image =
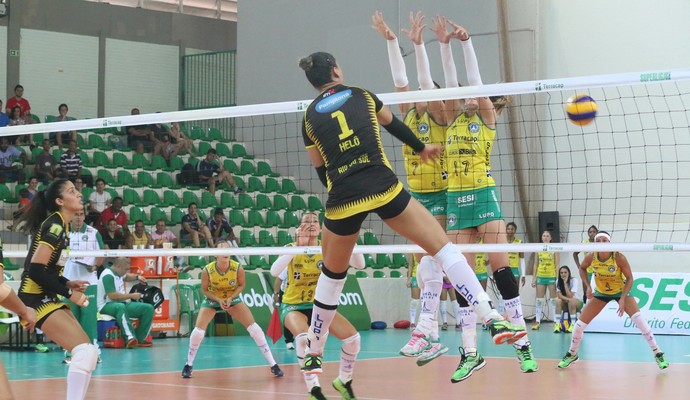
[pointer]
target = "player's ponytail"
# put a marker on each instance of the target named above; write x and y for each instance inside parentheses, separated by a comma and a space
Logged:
(41, 205)
(317, 67)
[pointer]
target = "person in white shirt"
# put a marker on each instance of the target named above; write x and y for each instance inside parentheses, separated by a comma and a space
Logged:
(84, 237)
(566, 290)
(99, 200)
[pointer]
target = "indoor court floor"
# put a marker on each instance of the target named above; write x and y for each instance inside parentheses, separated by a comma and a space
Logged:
(611, 366)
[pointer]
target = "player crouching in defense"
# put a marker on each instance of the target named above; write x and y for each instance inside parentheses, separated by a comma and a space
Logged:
(613, 280)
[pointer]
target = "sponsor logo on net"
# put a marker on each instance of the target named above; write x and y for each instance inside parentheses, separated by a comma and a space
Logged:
(655, 76)
(547, 86)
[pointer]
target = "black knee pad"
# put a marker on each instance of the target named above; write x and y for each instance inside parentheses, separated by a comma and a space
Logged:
(462, 301)
(506, 283)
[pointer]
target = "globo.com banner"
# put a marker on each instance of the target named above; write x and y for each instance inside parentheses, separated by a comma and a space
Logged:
(664, 301)
(258, 296)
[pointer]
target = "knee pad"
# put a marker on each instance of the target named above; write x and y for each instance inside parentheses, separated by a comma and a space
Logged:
(84, 358)
(351, 345)
(301, 344)
(539, 302)
(414, 304)
(506, 284)
(255, 331)
(428, 271)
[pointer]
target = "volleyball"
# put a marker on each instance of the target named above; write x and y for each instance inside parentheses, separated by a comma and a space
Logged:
(581, 109)
(565, 325)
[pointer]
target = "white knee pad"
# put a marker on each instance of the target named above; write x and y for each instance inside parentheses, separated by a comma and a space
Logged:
(540, 302)
(255, 331)
(429, 271)
(301, 344)
(84, 358)
(351, 345)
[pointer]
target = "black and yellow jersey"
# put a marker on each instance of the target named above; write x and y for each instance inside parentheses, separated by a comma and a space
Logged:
(53, 233)
(341, 123)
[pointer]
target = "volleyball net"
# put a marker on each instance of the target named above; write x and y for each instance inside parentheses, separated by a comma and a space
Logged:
(627, 172)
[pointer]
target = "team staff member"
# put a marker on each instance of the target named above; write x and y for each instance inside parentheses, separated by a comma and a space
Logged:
(222, 282)
(613, 280)
(341, 133)
(48, 221)
(303, 272)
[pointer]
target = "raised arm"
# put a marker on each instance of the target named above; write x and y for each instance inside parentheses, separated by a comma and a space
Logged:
(395, 59)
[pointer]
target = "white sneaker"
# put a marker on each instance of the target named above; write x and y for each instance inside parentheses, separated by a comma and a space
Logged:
(290, 346)
(435, 350)
(417, 344)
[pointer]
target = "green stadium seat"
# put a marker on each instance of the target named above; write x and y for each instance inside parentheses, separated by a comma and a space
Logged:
(157, 164)
(247, 238)
(283, 238)
(164, 180)
(289, 187)
(263, 168)
(271, 185)
(36, 152)
(190, 197)
(297, 203)
(208, 200)
(254, 218)
(150, 198)
(383, 261)
(370, 239)
(120, 160)
(290, 220)
(254, 184)
(227, 200)
(139, 161)
(223, 150)
(100, 159)
(369, 261)
(266, 240)
(137, 213)
(144, 179)
(237, 218)
(280, 202)
(10, 266)
(5, 193)
(176, 215)
(193, 161)
(244, 200)
(379, 274)
(230, 166)
(396, 274)
(272, 258)
(246, 168)
(399, 261)
(272, 219)
(97, 141)
(125, 178)
(263, 202)
(259, 261)
(112, 191)
(202, 148)
(130, 196)
(240, 182)
(361, 274)
(176, 164)
(215, 134)
(196, 133)
(196, 261)
(238, 150)
(171, 198)
(107, 177)
(48, 119)
(157, 213)
(314, 204)
(183, 275)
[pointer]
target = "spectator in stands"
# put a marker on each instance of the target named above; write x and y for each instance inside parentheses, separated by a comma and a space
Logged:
(220, 227)
(19, 101)
(139, 237)
(211, 173)
(112, 300)
(46, 168)
(157, 131)
(17, 119)
(160, 235)
(23, 205)
(70, 162)
(99, 200)
(139, 136)
(113, 238)
(178, 137)
(33, 187)
(79, 186)
(165, 148)
(4, 119)
(10, 169)
(115, 212)
(67, 136)
(193, 228)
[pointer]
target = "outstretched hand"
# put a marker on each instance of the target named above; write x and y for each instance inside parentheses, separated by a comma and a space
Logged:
(442, 35)
(458, 31)
(381, 27)
(430, 152)
(416, 28)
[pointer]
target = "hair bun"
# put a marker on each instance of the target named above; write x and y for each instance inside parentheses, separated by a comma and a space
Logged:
(306, 63)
